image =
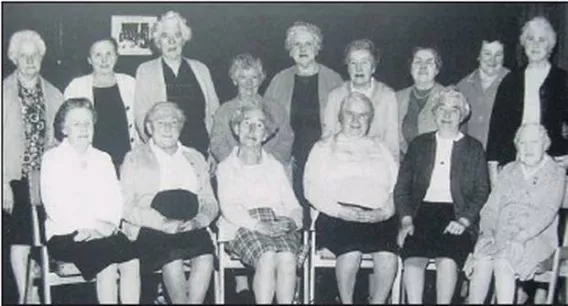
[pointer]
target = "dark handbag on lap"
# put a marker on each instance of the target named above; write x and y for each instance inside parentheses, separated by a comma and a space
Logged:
(177, 204)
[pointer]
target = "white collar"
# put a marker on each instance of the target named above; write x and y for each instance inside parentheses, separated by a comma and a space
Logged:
(160, 152)
(367, 92)
(456, 139)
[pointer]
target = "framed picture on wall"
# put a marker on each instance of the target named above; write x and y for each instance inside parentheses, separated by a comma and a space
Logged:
(132, 33)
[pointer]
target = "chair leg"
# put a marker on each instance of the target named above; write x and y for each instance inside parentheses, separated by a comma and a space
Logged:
(45, 275)
(221, 274)
(306, 273)
(553, 278)
(312, 274)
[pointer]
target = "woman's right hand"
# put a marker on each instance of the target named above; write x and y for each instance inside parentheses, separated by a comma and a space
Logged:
(266, 228)
(407, 228)
(172, 226)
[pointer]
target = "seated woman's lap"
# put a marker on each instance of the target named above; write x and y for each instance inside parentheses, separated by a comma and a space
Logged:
(251, 245)
(340, 236)
(91, 257)
(429, 240)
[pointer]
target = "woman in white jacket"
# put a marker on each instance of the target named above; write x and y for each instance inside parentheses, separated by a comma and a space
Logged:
(113, 97)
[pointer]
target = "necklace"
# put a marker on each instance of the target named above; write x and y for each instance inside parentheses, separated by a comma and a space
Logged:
(423, 96)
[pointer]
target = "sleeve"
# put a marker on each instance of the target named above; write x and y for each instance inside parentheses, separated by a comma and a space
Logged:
(134, 210)
(208, 207)
(212, 100)
(114, 203)
(392, 136)
(499, 122)
(293, 208)
(141, 101)
(280, 146)
(316, 189)
(220, 146)
(489, 213)
(58, 202)
(480, 190)
(404, 185)
(56, 100)
(271, 90)
(549, 200)
(330, 124)
(229, 200)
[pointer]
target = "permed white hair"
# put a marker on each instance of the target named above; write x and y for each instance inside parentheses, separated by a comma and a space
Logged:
(539, 23)
(306, 27)
(182, 23)
(19, 38)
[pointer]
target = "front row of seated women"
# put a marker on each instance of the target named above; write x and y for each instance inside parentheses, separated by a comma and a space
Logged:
(427, 209)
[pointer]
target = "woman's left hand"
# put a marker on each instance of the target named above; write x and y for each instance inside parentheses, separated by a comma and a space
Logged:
(455, 228)
(188, 226)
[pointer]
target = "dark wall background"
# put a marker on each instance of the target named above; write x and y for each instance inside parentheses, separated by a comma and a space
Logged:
(221, 30)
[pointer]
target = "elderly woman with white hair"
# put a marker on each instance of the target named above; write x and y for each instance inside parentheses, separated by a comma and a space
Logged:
(172, 77)
(349, 180)
(442, 185)
(29, 106)
(362, 58)
(261, 216)
(302, 91)
(169, 204)
(247, 74)
(518, 227)
(537, 93)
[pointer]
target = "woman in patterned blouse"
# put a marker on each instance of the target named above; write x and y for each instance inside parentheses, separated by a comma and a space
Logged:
(30, 103)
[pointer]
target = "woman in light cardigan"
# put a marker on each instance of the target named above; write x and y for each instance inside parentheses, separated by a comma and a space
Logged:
(361, 58)
(101, 84)
(415, 102)
(350, 179)
(163, 168)
(519, 222)
(195, 94)
(260, 214)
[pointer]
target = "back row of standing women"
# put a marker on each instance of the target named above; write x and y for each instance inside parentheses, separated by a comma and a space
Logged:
(305, 103)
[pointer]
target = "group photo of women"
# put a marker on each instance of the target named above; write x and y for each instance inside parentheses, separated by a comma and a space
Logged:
(452, 184)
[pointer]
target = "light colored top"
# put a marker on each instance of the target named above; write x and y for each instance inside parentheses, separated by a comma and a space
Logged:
(140, 178)
(78, 190)
(534, 78)
(243, 187)
(425, 117)
(82, 87)
(355, 171)
(481, 100)
(223, 141)
(177, 172)
(524, 204)
(151, 89)
(385, 122)
(13, 126)
(439, 188)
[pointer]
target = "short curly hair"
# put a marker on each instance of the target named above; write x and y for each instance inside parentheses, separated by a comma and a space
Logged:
(298, 26)
(239, 115)
(246, 61)
(437, 57)
(449, 95)
(541, 130)
(19, 38)
(65, 108)
(362, 44)
(535, 23)
(182, 23)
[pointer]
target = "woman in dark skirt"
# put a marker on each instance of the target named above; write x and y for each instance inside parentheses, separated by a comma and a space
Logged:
(441, 187)
(29, 103)
(349, 179)
(169, 206)
(83, 203)
(260, 213)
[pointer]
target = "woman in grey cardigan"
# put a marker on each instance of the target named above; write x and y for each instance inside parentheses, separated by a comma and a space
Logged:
(174, 78)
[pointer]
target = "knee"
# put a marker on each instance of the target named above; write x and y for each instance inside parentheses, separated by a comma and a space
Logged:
(416, 263)
(385, 260)
(266, 261)
(286, 261)
(203, 262)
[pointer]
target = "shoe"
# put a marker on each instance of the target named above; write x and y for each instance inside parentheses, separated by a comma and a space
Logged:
(245, 297)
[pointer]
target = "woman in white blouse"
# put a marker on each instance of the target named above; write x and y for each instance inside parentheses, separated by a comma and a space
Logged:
(349, 179)
(260, 213)
(83, 202)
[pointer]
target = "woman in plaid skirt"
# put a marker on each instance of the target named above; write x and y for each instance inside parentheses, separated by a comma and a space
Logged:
(260, 213)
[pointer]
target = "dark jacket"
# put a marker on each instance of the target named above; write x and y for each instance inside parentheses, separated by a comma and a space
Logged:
(469, 181)
(507, 114)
